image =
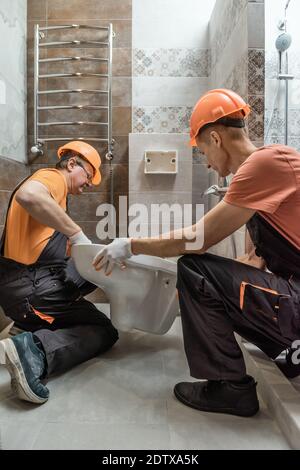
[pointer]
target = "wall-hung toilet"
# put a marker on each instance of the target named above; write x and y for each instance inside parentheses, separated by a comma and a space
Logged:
(142, 297)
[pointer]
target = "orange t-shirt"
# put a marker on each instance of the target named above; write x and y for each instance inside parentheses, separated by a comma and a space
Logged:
(269, 182)
(26, 237)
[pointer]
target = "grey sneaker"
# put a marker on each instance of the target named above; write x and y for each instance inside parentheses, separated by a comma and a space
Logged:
(26, 364)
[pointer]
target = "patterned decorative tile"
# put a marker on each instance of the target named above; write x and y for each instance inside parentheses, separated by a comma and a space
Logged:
(257, 104)
(294, 122)
(161, 119)
(272, 63)
(171, 62)
(256, 71)
(294, 62)
(273, 139)
(256, 118)
(294, 142)
(274, 123)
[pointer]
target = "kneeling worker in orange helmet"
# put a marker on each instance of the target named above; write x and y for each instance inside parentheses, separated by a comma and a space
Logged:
(40, 288)
(220, 296)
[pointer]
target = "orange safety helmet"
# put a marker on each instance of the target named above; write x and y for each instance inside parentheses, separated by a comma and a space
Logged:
(214, 105)
(88, 153)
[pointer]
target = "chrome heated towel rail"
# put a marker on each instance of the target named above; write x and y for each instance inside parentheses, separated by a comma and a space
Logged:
(105, 124)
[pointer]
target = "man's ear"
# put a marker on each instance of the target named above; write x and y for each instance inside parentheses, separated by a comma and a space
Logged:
(215, 139)
(71, 163)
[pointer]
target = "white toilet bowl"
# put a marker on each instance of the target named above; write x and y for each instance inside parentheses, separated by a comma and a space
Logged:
(142, 297)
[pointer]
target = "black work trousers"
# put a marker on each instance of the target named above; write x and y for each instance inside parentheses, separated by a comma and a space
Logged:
(219, 296)
(49, 302)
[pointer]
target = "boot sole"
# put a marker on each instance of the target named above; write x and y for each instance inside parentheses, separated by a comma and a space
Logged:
(230, 411)
(10, 359)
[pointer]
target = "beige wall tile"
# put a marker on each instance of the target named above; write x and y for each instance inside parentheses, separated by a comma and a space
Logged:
(122, 91)
(73, 9)
(11, 173)
(84, 207)
(36, 9)
(121, 120)
(122, 29)
(122, 62)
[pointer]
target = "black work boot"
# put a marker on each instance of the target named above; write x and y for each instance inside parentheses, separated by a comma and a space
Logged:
(222, 396)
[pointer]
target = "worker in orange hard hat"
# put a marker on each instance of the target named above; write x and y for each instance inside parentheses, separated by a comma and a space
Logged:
(222, 106)
(228, 111)
(87, 153)
(40, 288)
(221, 296)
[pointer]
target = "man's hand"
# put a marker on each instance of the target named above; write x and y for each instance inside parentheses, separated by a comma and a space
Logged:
(79, 238)
(116, 252)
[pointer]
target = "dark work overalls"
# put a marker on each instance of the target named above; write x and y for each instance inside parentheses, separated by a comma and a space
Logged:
(220, 296)
(46, 298)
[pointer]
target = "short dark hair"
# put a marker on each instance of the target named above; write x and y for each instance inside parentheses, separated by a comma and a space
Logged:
(234, 122)
(67, 154)
(226, 122)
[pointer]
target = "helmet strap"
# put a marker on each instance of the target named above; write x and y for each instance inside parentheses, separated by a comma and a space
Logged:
(230, 122)
(67, 155)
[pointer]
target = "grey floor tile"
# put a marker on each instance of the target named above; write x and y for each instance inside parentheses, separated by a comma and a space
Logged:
(216, 432)
(18, 436)
(5, 390)
(93, 436)
(124, 400)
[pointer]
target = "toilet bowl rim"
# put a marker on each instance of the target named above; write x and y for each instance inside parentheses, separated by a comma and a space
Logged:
(144, 261)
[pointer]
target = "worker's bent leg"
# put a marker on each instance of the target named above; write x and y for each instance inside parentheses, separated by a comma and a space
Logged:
(67, 335)
(211, 349)
(210, 299)
(78, 331)
(67, 347)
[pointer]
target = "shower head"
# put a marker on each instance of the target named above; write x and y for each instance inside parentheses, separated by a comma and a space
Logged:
(283, 42)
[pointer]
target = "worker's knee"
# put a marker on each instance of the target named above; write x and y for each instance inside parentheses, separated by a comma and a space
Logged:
(107, 338)
(112, 334)
(187, 273)
(196, 273)
(190, 263)
(96, 339)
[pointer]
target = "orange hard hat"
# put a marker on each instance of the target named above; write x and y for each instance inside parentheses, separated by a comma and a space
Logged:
(214, 105)
(88, 153)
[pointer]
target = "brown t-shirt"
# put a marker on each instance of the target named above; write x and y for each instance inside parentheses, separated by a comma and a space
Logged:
(26, 237)
(269, 182)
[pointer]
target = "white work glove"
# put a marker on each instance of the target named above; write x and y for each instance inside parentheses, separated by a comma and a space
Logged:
(79, 238)
(116, 252)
